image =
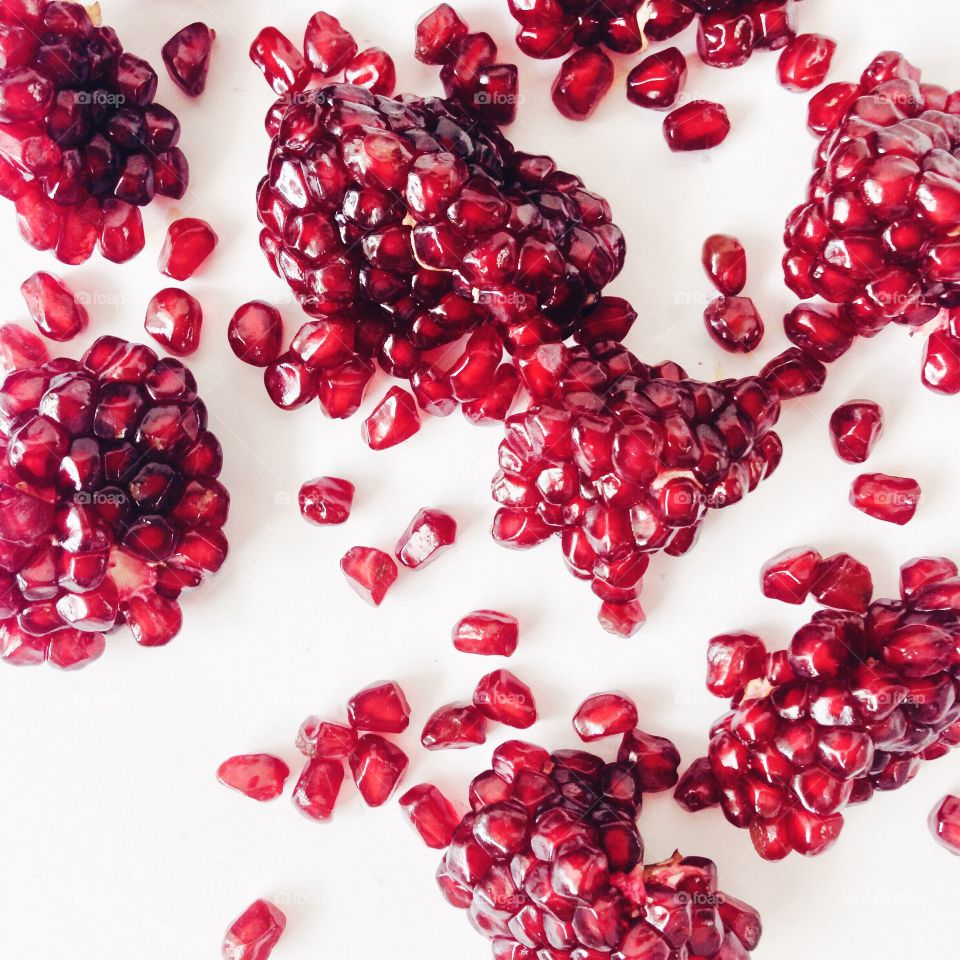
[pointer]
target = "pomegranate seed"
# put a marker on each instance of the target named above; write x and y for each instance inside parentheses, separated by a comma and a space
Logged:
(20, 349)
(790, 576)
(805, 61)
(187, 57)
(315, 794)
(855, 428)
(255, 333)
(329, 741)
(326, 500)
(503, 698)
(583, 81)
(394, 420)
(258, 776)
(843, 583)
(378, 767)
(655, 759)
(431, 814)
(53, 308)
(734, 660)
(487, 633)
(920, 572)
(430, 534)
(438, 33)
(697, 125)
(372, 68)
(657, 80)
(725, 261)
(941, 363)
(622, 619)
(370, 572)
(121, 231)
(328, 46)
(173, 320)
(380, 708)
(818, 331)
(667, 18)
(734, 323)
(697, 789)
(603, 715)
(945, 824)
(282, 65)
(189, 242)
(893, 499)
(254, 934)
(725, 39)
(794, 374)
(454, 726)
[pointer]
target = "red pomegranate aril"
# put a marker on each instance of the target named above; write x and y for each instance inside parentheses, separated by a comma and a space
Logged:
(794, 374)
(828, 106)
(370, 572)
(328, 45)
(189, 242)
(893, 499)
(622, 619)
(174, 319)
(790, 576)
(431, 814)
(818, 331)
(258, 776)
(941, 363)
(52, 307)
(945, 824)
(488, 633)
(603, 715)
(430, 534)
(805, 61)
(438, 33)
(657, 80)
(734, 660)
(187, 57)
(734, 323)
(322, 738)
(855, 428)
(374, 69)
(725, 261)
(281, 63)
(697, 125)
(394, 420)
(503, 698)
(379, 708)
(121, 231)
(378, 767)
(655, 759)
(583, 81)
(255, 333)
(725, 39)
(254, 934)
(315, 794)
(924, 571)
(20, 349)
(667, 18)
(843, 583)
(456, 726)
(326, 500)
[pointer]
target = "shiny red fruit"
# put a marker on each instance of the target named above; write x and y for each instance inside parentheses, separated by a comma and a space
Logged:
(254, 934)
(855, 428)
(259, 776)
(697, 125)
(370, 572)
(189, 242)
(893, 499)
(430, 534)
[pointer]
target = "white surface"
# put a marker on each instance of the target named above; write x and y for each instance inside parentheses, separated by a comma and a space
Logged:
(115, 839)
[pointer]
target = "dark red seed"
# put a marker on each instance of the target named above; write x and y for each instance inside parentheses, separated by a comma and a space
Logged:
(431, 814)
(855, 428)
(315, 794)
(734, 323)
(373, 68)
(725, 39)
(255, 333)
(843, 583)
(430, 533)
(487, 633)
(789, 576)
(725, 261)
(657, 80)
(438, 33)
(503, 698)
(697, 125)
(734, 660)
(187, 57)
(326, 500)
(281, 63)
(893, 499)
(174, 319)
(328, 45)
(52, 307)
(583, 81)
(370, 572)
(805, 61)
(394, 420)
(189, 242)
(456, 726)
(254, 934)
(945, 824)
(380, 708)
(603, 715)
(378, 767)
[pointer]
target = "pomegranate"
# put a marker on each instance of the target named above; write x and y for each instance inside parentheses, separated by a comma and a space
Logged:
(894, 499)
(254, 934)
(186, 56)
(258, 775)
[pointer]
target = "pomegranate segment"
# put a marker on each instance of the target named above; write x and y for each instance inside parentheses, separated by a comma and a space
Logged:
(378, 767)
(431, 814)
(189, 242)
(174, 319)
(789, 577)
(697, 125)
(805, 62)
(603, 715)
(945, 824)
(326, 500)
(258, 776)
(855, 428)
(379, 708)
(254, 934)
(429, 534)
(370, 572)
(893, 499)
(52, 307)
(186, 56)
(488, 633)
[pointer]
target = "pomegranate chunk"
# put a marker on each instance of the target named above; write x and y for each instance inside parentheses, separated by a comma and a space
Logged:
(603, 715)
(258, 776)
(893, 499)
(657, 80)
(315, 794)
(855, 428)
(488, 633)
(395, 419)
(430, 533)
(697, 125)
(187, 57)
(431, 814)
(370, 572)
(378, 767)
(189, 242)
(255, 333)
(790, 576)
(174, 319)
(381, 708)
(326, 500)
(805, 61)
(945, 824)
(328, 46)
(583, 81)
(725, 261)
(502, 697)
(254, 934)
(454, 726)
(734, 323)
(52, 307)
(329, 741)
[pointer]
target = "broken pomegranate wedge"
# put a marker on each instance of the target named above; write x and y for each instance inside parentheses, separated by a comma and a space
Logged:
(110, 505)
(621, 460)
(549, 862)
(84, 143)
(855, 704)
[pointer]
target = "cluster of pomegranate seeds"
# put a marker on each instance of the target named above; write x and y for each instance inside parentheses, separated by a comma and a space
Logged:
(805, 61)
(258, 776)
(945, 824)
(855, 428)
(52, 307)
(697, 125)
(487, 633)
(188, 244)
(893, 499)
(429, 534)
(549, 863)
(254, 934)
(622, 460)
(186, 56)
(109, 501)
(326, 500)
(82, 143)
(875, 236)
(866, 691)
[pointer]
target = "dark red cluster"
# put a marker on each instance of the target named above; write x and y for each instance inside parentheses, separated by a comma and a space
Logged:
(82, 144)
(403, 226)
(876, 236)
(109, 501)
(866, 692)
(622, 461)
(549, 864)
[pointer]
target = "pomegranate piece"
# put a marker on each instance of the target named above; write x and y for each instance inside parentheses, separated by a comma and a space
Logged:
(488, 633)
(255, 333)
(52, 307)
(734, 660)
(656, 81)
(280, 62)
(725, 261)
(789, 577)
(893, 499)
(316, 792)
(734, 323)
(503, 698)
(187, 57)
(324, 739)
(438, 33)
(430, 534)
(655, 759)
(855, 428)
(805, 61)
(370, 572)
(328, 45)
(431, 814)
(326, 500)
(697, 125)
(174, 319)
(455, 726)
(394, 420)
(189, 242)
(378, 767)
(254, 934)
(380, 708)
(373, 68)
(583, 81)
(603, 715)
(258, 776)
(945, 824)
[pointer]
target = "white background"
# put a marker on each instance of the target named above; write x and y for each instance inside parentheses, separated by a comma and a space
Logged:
(115, 839)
